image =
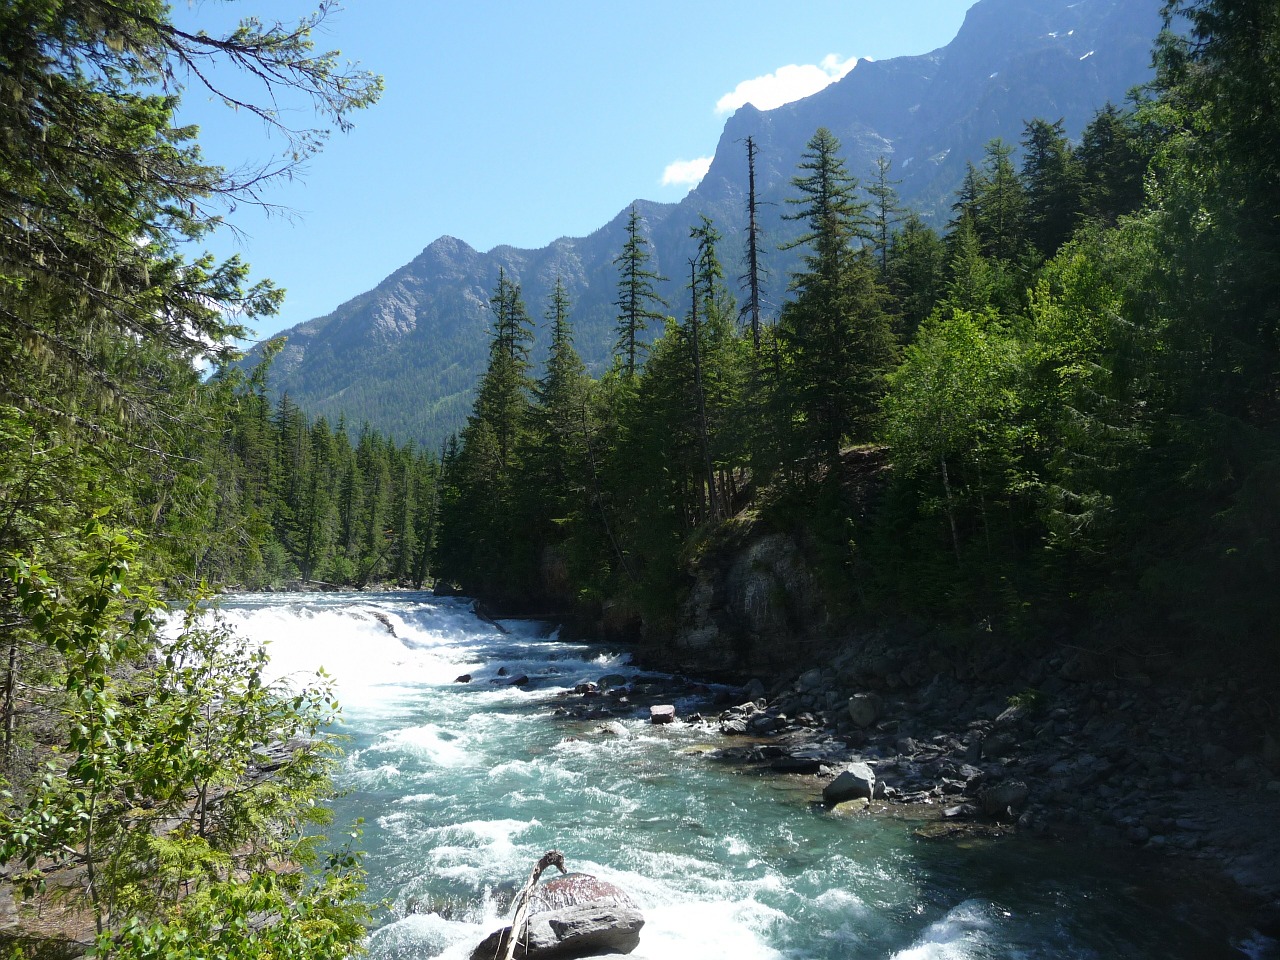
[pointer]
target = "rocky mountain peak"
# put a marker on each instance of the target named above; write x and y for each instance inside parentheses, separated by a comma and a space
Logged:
(406, 355)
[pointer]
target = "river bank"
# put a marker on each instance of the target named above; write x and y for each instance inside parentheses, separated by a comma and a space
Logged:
(1052, 746)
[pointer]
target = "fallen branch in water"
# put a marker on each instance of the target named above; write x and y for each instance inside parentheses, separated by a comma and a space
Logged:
(520, 921)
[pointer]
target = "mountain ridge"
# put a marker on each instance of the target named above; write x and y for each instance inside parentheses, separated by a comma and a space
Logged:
(405, 355)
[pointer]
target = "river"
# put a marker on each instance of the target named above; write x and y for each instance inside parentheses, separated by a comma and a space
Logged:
(462, 787)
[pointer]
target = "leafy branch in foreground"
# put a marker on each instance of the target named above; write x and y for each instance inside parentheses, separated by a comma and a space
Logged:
(184, 810)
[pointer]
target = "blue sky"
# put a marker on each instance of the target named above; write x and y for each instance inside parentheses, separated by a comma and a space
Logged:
(520, 122)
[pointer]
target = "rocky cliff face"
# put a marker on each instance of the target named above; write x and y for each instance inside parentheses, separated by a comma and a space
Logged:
(406, 355)
(754, 607)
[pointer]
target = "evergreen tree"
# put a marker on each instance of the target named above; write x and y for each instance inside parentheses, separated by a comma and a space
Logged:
(836, 337)
(755, 271)
(973, 281)
(637, 301)
(104, 427)
(885, 211)
(965, 205)
(1113, 159)
(1051, 180)
(561, 405)
(503, 396)
(319, 509)
(917, 273)
(1000, 205)
(482, 478)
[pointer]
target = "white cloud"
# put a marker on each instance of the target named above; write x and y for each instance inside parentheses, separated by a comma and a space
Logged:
(792, 82)
(686, 173)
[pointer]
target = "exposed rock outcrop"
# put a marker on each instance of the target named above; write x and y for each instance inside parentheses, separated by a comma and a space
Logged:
(576, 915)
(753, 603)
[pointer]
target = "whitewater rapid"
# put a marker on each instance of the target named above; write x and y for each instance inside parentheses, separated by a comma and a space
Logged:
(462, 786)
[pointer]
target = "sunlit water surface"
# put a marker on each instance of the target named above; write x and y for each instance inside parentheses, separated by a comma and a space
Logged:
(463, 786)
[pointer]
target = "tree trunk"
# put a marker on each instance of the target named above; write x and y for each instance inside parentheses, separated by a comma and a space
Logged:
(951, 516)
(10, 682)
(703, 435)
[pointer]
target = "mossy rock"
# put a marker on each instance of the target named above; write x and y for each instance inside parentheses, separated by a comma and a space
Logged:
(851, 808)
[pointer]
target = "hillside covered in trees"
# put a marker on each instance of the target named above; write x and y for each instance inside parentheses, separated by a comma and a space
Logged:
(1074, 385)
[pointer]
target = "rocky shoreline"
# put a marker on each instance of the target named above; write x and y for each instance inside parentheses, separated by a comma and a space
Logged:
(1054, 746)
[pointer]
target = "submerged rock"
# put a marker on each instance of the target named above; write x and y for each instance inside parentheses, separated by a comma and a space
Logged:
(576, 915)
(502, 680)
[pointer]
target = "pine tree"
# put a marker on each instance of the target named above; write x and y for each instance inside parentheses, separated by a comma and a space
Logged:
(1113, 159)
(1051, 180)
(480, 507)
(885, 211)
(104, 426)
(753, 278)
(965, 205)
(704, 263)
(917, 272)
(560, 406)
(638, 300)
(1000, 204)
(836, 337)
(503, 396)
(319, 509)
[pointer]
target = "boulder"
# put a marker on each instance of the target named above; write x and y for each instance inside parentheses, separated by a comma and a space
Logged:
(612, 680)
(577, 915)
(662, 713)
(1008, 796)
(810, 680)
(857, 781)
(504, 681)
(1011, 715)
(864, 709)
(999, 746)
(765, 724)
(465, 678)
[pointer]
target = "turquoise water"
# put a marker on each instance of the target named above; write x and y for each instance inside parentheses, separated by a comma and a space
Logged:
(463, 786)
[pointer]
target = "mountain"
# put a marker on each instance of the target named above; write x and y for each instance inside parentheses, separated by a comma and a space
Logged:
(406, 355)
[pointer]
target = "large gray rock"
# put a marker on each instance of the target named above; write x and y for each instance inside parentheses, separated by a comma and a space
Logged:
(577, 915)
(857, 781)
(1006, 797)
(810, 680)
(864, 709)
(588, 930)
